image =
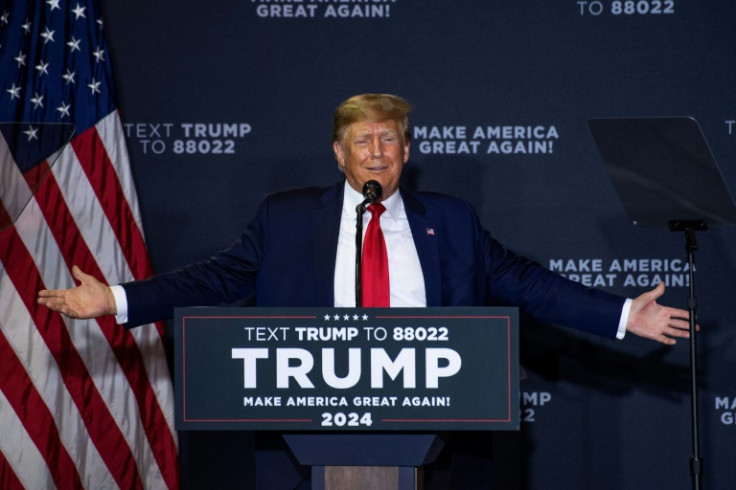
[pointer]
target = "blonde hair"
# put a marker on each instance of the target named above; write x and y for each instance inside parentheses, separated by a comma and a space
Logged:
(371, 107)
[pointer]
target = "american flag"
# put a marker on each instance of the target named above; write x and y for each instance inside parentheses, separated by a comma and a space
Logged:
(83, 404)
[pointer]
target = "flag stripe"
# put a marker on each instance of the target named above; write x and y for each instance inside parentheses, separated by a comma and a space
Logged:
(5, 220)
(110, 133)
(87, 338)
(23, 397)
(24, 467)
(8, 478)
(81, 200)
(101, 426)
(42, 369)
(101, 174)
(13, 196)
(35, 175)
(19, 391)
(75, 251)
(110, 130)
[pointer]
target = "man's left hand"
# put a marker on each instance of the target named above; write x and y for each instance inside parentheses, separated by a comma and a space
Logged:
(653, 321)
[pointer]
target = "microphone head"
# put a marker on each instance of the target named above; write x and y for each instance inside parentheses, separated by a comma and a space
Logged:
(372, 191)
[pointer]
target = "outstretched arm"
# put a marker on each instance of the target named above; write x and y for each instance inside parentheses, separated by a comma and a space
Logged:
(653, 321)
(90, 299)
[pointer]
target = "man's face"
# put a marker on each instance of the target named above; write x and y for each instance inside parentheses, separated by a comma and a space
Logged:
(373, 151)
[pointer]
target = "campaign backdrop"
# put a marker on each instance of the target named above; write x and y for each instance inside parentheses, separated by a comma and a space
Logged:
(227, 100)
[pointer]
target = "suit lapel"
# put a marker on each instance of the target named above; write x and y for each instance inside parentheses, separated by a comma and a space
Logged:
(424, 231)
(325, 229)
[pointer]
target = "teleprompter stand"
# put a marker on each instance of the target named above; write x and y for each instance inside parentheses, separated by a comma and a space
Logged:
(665, 175)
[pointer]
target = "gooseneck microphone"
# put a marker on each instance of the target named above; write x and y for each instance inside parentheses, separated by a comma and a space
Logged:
(371, 192)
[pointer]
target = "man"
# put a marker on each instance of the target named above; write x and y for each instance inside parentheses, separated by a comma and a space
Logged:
(300, 249)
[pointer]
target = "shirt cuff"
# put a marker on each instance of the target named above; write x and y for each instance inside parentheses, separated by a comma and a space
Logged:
(121, 303)
(624, 319)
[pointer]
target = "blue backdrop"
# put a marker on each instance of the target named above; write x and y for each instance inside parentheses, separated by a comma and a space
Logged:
(227, 100)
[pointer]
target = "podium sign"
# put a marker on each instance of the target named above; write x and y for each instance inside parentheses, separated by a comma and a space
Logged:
(347, 369)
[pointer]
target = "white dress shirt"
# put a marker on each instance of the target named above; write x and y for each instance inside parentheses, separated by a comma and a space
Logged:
(406, 279)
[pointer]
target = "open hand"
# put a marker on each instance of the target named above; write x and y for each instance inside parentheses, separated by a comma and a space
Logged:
(90, 299)
(653, 321)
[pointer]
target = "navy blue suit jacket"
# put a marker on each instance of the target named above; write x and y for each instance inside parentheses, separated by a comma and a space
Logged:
(286, 258)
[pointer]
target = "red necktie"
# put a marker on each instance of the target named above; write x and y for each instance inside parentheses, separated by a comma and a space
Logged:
(375, 261)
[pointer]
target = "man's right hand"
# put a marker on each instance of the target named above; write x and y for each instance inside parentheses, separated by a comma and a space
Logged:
(90, 299)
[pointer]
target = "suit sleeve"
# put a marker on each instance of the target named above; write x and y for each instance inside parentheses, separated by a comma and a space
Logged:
(543, 294)
(227, 277)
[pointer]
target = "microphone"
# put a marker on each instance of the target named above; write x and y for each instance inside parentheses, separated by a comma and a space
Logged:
(372, 192)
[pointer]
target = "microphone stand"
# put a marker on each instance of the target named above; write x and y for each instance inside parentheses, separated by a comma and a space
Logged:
(360, 210)
(689, 227)
(371, 192)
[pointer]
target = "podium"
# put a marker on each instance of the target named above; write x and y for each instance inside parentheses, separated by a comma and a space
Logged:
(365, 460)
(358, 394)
